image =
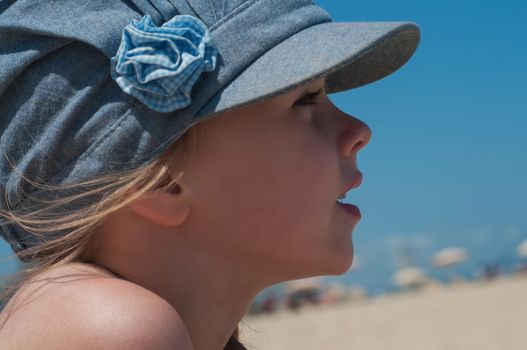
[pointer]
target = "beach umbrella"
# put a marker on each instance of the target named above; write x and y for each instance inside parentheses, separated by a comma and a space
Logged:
(522, 250)
(408, 277)
(449, 256)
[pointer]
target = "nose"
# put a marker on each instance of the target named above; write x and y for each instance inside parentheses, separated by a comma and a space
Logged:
(354, 135)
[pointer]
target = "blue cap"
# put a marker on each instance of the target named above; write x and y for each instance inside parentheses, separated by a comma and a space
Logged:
(93, 87)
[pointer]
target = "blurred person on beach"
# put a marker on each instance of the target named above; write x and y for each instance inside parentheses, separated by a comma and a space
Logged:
(270, 303)
(148, 230)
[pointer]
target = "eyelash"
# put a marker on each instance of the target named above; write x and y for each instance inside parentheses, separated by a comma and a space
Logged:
(307, 100)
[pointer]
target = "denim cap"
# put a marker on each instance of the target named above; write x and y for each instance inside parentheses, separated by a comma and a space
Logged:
(89, 88)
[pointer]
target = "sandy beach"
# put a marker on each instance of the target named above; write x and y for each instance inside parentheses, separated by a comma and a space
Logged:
(486, 315)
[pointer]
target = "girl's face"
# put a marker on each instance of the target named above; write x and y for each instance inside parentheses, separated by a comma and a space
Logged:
(264, 185)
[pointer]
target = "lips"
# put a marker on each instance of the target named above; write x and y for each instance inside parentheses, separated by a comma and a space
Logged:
(351, 209)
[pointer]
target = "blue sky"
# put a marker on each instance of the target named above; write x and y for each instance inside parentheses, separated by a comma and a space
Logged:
(447, 163)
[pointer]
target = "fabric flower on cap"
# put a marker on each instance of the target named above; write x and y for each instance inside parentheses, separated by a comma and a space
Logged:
(159, 65)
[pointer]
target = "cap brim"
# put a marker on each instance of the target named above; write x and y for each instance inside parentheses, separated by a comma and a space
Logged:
(348, 54)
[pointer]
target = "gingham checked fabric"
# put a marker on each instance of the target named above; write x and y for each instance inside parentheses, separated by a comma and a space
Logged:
(159, 65)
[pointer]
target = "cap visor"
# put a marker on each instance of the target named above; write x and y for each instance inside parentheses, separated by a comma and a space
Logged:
(349, 54)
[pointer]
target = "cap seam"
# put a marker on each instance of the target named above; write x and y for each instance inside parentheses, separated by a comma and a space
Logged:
(241, 8)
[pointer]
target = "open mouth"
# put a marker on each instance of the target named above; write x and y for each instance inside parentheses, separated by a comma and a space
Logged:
(341, 198)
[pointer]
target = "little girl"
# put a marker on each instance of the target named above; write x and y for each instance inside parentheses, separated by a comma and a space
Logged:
(163, 162)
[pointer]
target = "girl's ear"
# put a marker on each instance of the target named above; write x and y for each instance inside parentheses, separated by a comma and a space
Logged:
(163, 207)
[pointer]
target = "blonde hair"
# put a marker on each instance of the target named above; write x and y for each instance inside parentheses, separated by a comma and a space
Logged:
(79, 242)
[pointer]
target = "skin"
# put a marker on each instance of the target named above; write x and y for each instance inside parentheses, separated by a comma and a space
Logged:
(256, 206)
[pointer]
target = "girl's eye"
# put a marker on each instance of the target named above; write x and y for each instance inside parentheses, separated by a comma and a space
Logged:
(308, 99)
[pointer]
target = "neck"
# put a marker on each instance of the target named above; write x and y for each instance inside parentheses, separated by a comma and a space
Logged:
(210, 295)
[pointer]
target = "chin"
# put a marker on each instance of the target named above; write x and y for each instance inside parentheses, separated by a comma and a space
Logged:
(334, 263)
(342, 261)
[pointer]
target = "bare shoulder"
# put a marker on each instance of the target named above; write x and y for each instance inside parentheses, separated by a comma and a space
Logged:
(98, 312)
(127, 316)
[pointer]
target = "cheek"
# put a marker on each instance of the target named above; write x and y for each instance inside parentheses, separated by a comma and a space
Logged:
(286, 190)
(275, 194)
